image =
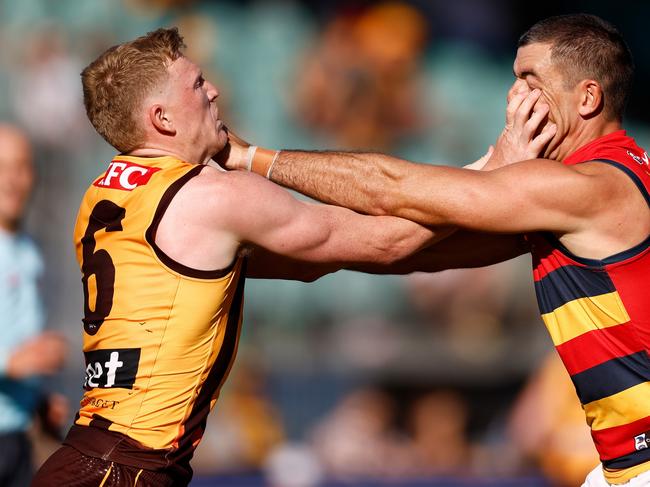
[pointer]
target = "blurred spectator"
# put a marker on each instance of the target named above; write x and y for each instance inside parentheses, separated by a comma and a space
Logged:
(468, 306)
(293, 465)
(370, 435)
(244, 429)
(26, 351)
(48, 78)
(160, 5)
(438, 424)
(361, 84)
(359, 439)
(548, 426)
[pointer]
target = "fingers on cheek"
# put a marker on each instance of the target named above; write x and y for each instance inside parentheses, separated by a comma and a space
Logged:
(511, 93)
(540, 109)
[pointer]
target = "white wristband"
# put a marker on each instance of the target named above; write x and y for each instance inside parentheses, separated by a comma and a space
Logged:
(250, 153)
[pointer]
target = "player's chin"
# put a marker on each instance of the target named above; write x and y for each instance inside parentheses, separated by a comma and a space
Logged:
(221, 141)
(223, 132)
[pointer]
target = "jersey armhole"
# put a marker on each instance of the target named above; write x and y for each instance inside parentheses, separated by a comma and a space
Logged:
(150, 234)
(631, 174)
(620, 256)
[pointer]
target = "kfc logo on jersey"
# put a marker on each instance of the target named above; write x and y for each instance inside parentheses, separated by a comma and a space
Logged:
(111, 368)
(125, 176)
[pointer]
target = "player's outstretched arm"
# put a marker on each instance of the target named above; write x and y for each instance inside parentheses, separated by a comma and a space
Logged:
(264, 264)
(464, 249)
(261, 214)
(378, 184)
(528, 196)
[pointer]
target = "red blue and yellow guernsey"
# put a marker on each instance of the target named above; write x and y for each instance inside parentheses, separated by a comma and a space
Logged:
(598, 315)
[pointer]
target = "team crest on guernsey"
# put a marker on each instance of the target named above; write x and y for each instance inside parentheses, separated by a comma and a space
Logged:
(125, 175)
(641, 441)
(643, 160)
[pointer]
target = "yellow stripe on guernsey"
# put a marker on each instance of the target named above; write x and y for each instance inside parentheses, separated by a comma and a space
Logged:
(583, 315)
(618, 477)
(619, 409)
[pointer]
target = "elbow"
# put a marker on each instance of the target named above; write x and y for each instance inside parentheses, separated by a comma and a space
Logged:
(391, 255)
(410, 240)
(386, 199)
(385, 203)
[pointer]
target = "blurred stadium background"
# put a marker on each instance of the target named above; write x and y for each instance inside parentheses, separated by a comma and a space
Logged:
(353, 380)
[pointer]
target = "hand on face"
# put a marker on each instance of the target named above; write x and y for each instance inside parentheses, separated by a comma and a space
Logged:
(527, 130)
(235, 154)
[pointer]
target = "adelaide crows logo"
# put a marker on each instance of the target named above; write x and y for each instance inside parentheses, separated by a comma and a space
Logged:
(642, 160)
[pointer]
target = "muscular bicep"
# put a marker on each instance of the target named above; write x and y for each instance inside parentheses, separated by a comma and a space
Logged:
(260, 213)
(525, 197)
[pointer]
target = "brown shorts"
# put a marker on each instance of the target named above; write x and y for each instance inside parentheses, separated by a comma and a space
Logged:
(68, 467)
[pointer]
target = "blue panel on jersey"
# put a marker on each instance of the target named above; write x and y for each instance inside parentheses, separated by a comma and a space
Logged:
(612, 377)
(569, 283)
(627, 461)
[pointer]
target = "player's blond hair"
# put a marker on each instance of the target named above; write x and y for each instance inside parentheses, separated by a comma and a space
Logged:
(116, 84)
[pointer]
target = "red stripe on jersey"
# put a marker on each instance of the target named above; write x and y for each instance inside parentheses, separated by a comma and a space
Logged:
(598, 346)
(619, 441)
(631, 281)
(545, 260)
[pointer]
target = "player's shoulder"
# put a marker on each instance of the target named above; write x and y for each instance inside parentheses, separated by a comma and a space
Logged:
(211, 177)
(600, 169)
(215, 189)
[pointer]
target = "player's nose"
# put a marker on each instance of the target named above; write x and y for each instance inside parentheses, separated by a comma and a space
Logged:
(211, 91)
(518, 86)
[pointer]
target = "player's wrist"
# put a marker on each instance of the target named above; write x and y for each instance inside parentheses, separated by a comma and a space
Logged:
(261, 160)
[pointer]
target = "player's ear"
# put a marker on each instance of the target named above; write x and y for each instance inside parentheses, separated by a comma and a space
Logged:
(161, 120)
(591, 100)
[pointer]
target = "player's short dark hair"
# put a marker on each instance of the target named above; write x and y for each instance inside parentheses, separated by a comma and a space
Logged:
(585, 46)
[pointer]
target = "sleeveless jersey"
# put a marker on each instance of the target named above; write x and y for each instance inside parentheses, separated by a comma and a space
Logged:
(159, 337)
(598, 315)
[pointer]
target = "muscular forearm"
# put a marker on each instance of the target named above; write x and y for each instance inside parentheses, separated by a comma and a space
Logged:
(263, 264)
(377, 184)
(462, 249)
(355, 180)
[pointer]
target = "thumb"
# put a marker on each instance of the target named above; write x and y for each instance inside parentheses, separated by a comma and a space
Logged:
(482, 161)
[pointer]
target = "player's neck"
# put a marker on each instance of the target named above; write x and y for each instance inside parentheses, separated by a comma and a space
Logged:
(153, 150)
(582, 136)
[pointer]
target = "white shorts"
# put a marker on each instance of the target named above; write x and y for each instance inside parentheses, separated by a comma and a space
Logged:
(596, 478)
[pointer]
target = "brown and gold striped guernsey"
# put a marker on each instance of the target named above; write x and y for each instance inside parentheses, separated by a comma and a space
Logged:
(158, 337)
